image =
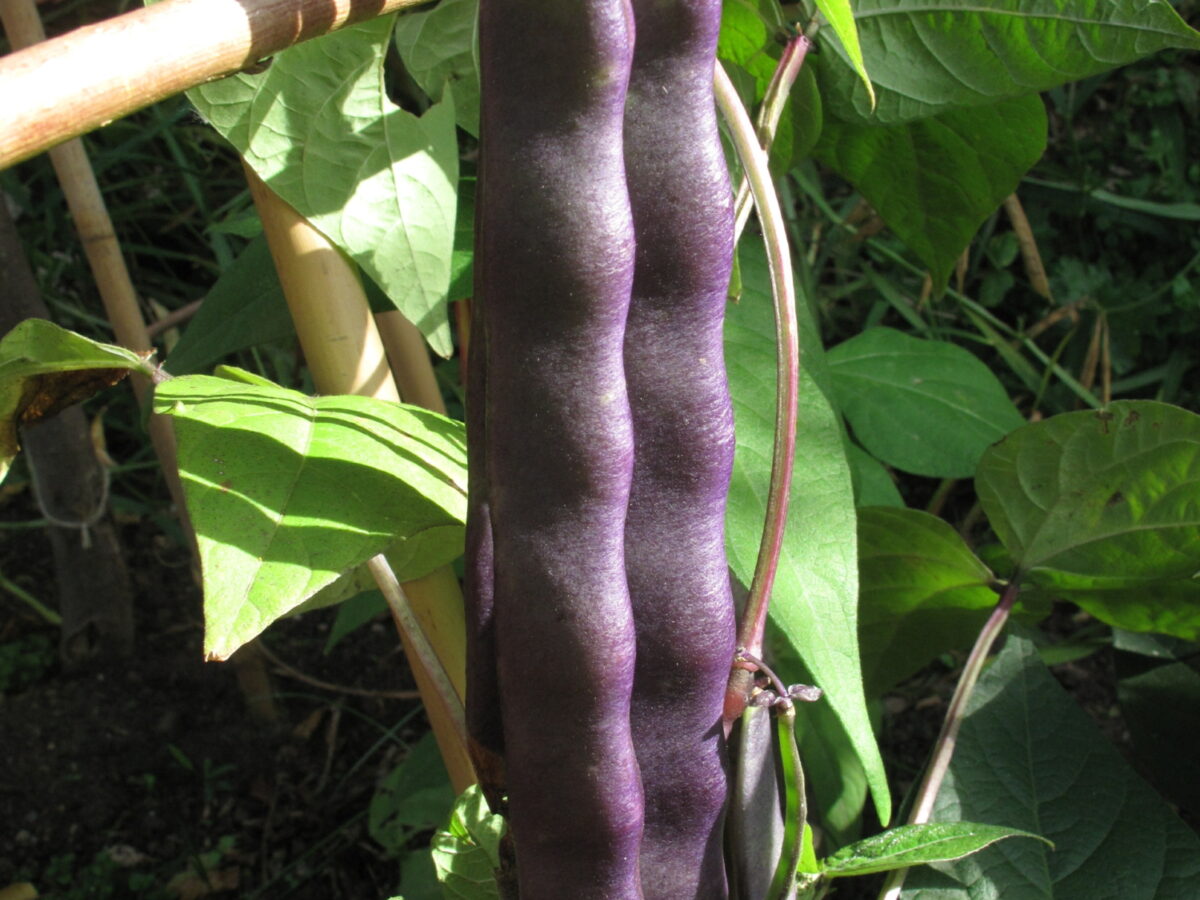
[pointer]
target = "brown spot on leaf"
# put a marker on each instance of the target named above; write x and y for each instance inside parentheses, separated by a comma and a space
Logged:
(52, 392)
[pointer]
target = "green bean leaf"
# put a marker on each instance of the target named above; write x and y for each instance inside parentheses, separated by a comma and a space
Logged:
(929, 57)
(926, 407)
(45, 369)
(286, 492)
(467, 851)
(1103, 509)
(317, 126)
(912, 845)
(1027, 757)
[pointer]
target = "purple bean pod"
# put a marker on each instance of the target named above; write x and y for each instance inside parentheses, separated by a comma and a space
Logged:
(555, 256)
(683, 430)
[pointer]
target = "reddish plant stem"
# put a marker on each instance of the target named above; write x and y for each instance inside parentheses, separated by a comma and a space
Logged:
(754, 160)
(769, 113)
(947, 740)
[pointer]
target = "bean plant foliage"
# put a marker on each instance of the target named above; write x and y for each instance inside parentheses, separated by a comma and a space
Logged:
(929, 113)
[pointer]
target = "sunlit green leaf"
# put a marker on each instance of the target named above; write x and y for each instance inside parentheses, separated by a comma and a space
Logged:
(438, 46)
(467, 851)
(928, 57)
(841, 19)
(286, 492)
(923, 592)
(934, 181)
(911, 845)
(318, 127)
(45, 368)
(1103, 508)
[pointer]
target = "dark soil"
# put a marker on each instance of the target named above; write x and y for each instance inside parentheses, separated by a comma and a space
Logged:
(152, 778)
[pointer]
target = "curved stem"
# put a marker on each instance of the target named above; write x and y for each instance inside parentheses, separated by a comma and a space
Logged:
(754, 161)
(943, 748)
(769, 114)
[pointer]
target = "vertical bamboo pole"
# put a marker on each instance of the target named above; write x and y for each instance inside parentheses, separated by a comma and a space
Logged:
(346, 355)
(410, 361)
(95, 228)
(23, 27)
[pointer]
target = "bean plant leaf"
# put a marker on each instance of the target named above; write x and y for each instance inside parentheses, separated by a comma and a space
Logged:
(415, 796)
(840, 17)
(467, 851)
(922, 592)
(814, 602)
(936, 180)
(929, 57)
(912, 845)
(1027, 757)
(243, 309)
(1103, 508)
(286, 492)
(438, 47)
(926, 407)
(45, 368)
(318, 128)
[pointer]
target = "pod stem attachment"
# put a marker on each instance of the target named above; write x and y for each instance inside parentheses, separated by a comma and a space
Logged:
(754, 162)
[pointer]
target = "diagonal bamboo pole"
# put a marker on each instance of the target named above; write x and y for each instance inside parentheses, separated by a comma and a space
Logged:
(83, 80)
(346, 355)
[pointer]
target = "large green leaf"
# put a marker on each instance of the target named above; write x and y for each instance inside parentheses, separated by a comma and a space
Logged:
(926, 407)
(244, 308)
(923, 592)
(439, 49)
(318, 127)
(934, 181)
(927, 57)
(44, 369)
(814, 602)
(1029, 758)
(287, 491)
(1104, 508)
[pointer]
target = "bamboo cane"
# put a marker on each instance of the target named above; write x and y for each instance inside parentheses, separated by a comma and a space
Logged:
(23, 27)
(87, 78)
(346, 355)
(95, 228)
